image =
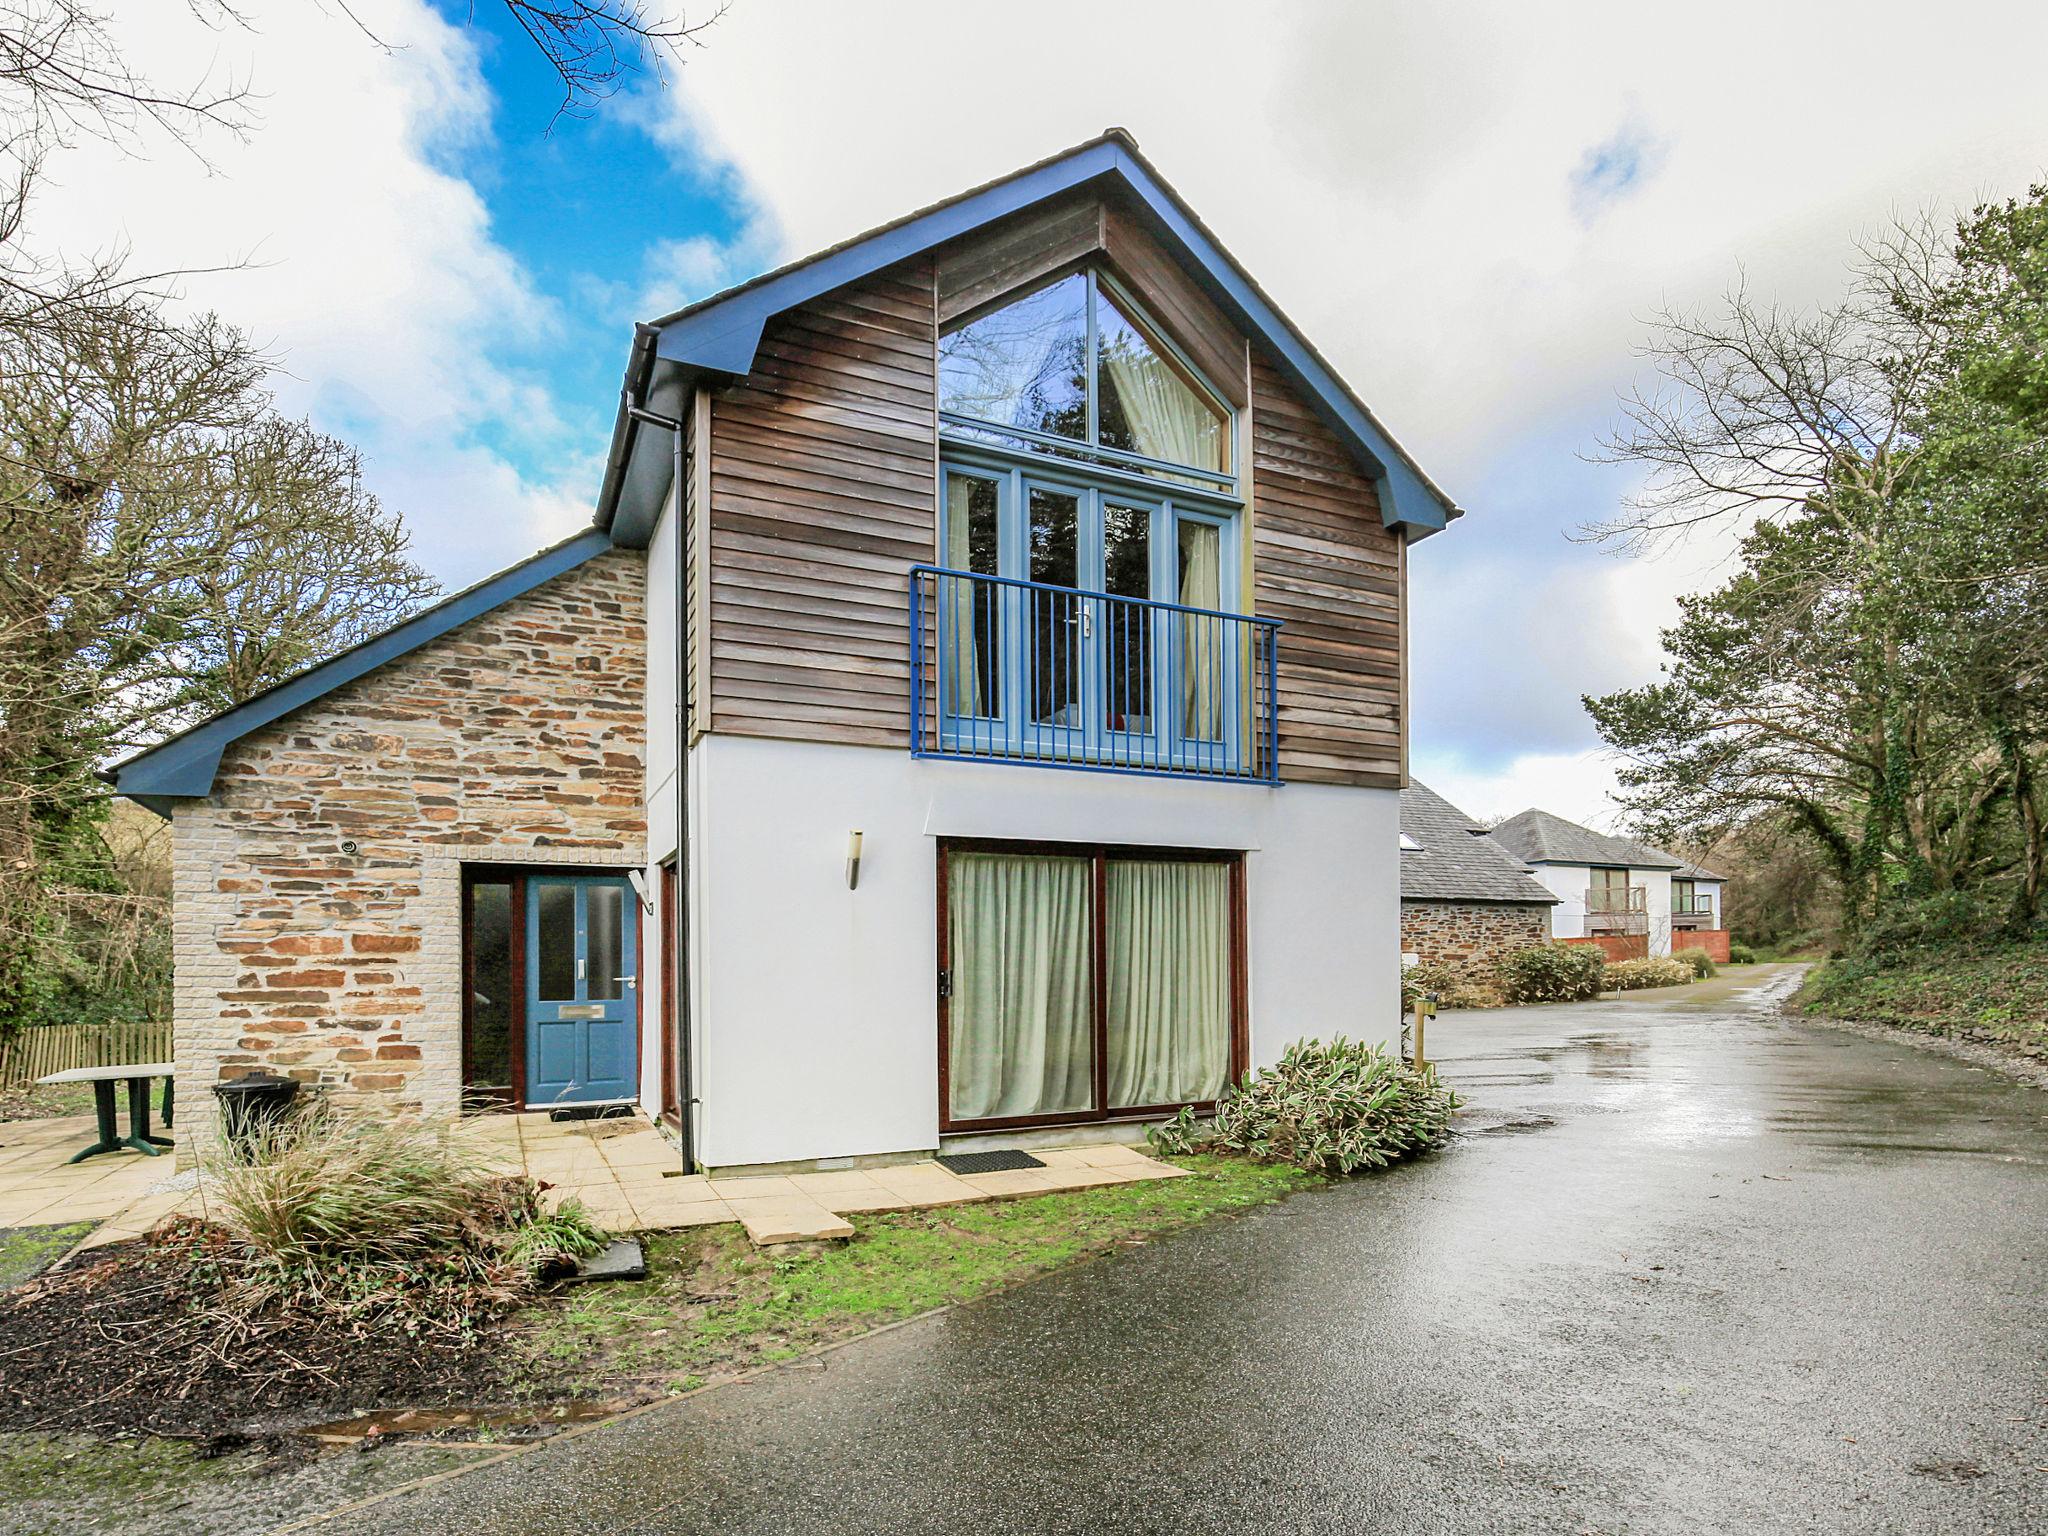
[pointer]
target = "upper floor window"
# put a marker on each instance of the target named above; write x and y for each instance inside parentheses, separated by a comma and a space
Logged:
(1073, 369)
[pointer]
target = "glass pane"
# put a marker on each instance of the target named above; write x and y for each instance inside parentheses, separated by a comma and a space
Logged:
(1205, 643)
(605, 949)
(1127, 572)
(1019, 942)
(1166, 943)
(970, 644)
(490, 987)
(1143, 402)
(1053, 619)
(555, 958)
(1025, 365)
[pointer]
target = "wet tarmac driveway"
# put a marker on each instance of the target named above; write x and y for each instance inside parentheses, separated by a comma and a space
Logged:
(1697, 1269)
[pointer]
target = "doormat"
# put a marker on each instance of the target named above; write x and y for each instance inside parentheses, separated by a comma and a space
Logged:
(988, 1162)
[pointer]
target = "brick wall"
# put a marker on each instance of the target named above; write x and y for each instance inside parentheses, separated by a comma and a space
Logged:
(1617, 946)
(517, 738)
(1465, 934)
(1713, 940)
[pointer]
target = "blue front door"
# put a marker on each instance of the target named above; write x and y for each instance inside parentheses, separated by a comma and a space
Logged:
(582, 993)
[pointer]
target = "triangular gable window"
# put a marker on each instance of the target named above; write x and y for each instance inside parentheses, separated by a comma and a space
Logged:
(1076, 362)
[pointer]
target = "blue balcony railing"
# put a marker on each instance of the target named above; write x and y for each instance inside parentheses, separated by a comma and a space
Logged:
(1018, 671)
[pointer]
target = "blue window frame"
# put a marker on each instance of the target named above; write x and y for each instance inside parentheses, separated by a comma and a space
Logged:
(1088, 485)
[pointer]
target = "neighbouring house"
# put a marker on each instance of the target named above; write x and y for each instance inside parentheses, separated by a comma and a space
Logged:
(977, 708)
(1465, 900)
(1627, 897)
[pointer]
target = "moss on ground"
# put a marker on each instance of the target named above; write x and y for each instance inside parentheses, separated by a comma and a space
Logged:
(26, 1251)
(712, 1304)
(59, 1469)
(1999, 997)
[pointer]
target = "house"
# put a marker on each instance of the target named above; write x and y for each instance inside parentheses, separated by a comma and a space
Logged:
(1465, 900)
(1627, 897)
(977, 708)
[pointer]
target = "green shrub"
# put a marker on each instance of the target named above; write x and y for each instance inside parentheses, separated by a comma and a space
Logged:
(1655, 971)
(1701, 962)
(1741, 954)
(1451, 986)
(1330, 1107)
(1551, 973)
(1950, 923)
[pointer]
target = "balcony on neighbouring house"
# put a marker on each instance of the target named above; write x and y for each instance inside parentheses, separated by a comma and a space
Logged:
(1003, 670)
(1617, 909)
(1692, 912)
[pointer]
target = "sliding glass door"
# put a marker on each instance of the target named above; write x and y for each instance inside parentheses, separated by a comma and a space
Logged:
(1080, 983)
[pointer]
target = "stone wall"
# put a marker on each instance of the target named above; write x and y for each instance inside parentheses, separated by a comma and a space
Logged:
(517, 738)
(1465, 934)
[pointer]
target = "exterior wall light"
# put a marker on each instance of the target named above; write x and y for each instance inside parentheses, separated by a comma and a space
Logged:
(853, 861)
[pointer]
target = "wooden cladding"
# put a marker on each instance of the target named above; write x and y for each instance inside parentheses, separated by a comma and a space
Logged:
(823, 489)
(820, 468)
(1323, 564)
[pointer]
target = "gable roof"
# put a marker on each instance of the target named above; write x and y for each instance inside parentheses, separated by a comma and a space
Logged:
(717, 337)
(1454, 859)
(183, 767)
(1537, 837)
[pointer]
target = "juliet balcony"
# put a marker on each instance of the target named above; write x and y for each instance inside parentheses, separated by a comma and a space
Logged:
(1004, 670)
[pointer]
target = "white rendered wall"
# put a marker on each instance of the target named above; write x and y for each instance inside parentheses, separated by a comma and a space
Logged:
(661, 790)
(817, 1019)
(1569, 883)
(1656, 884)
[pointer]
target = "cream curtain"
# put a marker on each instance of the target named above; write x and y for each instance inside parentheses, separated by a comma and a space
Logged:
(1020, 949)
(1167, 949)
(1168, 419)
(1202, 639)
(960, 644)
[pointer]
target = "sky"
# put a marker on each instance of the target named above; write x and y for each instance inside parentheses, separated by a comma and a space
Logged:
(1472, 209)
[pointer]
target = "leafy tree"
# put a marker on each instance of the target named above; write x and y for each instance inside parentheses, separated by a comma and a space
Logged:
(1874, 673)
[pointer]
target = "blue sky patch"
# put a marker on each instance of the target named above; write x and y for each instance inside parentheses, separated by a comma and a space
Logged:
(1615, 168)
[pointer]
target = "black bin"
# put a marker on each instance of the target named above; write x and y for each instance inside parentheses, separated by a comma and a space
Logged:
(249, 1105)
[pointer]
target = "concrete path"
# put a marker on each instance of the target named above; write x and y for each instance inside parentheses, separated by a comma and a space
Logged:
(625, 1171)
(1699, 1269)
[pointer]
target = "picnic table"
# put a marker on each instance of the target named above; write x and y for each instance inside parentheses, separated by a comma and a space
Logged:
(137, 1075)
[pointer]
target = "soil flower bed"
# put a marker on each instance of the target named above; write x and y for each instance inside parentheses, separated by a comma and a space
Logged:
(156, 1336)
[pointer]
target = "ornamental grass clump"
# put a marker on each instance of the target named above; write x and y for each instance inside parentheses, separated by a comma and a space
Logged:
(364, 1215)
(1334, 1106)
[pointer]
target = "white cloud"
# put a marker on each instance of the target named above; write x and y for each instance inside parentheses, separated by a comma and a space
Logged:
(1574, 785)
(1410, 182)
(371, 272)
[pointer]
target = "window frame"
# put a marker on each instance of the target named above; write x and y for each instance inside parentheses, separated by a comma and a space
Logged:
(1099, 854)
(1014, 477)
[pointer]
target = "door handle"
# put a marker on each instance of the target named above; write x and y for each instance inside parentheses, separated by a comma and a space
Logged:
(631, 981)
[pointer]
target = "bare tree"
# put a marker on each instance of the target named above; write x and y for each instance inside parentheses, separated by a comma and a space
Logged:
(594, 47)
(168, 544)
(1757, 411)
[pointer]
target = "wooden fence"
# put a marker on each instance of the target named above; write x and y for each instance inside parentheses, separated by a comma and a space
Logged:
(28, 1054)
